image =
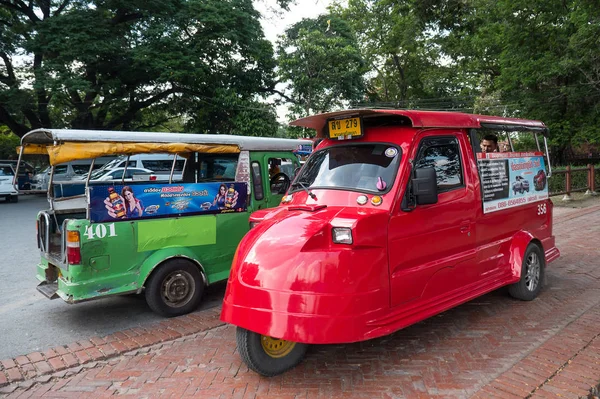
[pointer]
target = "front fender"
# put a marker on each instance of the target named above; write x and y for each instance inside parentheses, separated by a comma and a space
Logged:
(518, 246)
(162, 255)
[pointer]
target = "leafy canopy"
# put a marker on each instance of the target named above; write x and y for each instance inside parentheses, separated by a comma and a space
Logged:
(133, 64)
(320, 60)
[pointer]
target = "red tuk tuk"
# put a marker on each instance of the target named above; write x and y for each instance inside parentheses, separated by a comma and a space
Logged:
(396, 216)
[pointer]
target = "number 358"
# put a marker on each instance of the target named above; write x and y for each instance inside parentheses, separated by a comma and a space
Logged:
(541, 209)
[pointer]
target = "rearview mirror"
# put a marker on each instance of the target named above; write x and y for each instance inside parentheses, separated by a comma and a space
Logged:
(424, 186)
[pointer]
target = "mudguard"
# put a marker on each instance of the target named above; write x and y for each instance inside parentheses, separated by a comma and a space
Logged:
(163, 255)
(518, 246)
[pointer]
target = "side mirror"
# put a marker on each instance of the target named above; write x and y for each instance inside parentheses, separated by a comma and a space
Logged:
(424, 186)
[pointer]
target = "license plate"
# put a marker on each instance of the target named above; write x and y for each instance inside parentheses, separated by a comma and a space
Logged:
(345, 128)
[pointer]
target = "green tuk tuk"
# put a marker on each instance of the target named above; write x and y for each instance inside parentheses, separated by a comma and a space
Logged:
(136, 233)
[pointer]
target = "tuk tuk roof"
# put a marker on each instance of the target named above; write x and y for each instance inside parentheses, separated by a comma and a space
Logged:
(50, 136)
(426, 119)
(63, 145)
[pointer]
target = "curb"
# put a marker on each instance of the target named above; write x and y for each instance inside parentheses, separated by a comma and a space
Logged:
(41, 366)
(81, 353)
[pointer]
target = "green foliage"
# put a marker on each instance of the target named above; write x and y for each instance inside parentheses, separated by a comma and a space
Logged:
(205, 66)
(8, 144)
(408, 68)
(131, 65)
(536, 59)
(320, 60)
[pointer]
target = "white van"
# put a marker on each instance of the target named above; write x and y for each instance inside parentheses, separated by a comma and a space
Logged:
(67, 171)
(159, 164)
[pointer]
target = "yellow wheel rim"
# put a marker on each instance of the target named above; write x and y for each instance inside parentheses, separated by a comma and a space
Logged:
(276, 348)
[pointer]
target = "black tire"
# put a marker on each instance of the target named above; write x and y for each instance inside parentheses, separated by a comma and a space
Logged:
(14, 198)
(175, 288)
(259, 360)
(532, 275)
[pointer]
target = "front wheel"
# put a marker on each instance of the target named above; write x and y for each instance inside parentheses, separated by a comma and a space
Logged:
(532, 275)
(266, 355)
(174, 288)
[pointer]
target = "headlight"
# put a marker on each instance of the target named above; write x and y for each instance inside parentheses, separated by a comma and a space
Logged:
(342, 235)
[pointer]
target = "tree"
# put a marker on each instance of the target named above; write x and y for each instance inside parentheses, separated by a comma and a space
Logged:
(132, 64)
(407, 65)
(320, 60)
(539, 58)
(8, 144)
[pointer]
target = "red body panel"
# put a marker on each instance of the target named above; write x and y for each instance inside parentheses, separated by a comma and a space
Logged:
(290, 281)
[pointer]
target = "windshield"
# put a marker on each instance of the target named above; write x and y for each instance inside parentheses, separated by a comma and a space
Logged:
(218, 168)
(101, 170)
(6, 171)
(358, 167)
(112, 164)
(98, 173)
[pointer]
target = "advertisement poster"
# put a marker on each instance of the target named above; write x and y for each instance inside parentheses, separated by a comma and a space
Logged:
(142, 201)
(512, 179)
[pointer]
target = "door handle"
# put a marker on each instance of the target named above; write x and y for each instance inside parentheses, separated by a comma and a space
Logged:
(465, 227)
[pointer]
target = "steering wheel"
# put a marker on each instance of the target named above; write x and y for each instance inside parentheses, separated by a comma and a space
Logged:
(279, 183)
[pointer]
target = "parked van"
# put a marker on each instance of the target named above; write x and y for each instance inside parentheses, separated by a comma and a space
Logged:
(396, 217)
(67, 171)
(160, 164)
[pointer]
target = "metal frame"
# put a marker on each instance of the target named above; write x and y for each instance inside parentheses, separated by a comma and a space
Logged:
(16, 170)
(87, 188)
(173, 168)
(548, 158)
(125, 170)
(55, 136)
(512, 147)
(45, 243)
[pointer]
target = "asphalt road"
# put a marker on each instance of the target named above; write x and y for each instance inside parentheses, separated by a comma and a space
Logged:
(29, 321)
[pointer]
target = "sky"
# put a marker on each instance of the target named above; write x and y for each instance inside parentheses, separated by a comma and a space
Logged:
(275, 21)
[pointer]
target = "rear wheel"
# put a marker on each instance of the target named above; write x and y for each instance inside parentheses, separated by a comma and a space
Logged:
(14, 198)
(532, 275)
(266, 355)
(174, 288)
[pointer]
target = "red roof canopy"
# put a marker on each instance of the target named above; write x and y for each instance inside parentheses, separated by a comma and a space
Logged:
(428, 119)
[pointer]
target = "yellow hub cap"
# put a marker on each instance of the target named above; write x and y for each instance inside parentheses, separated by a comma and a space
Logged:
(276, 348)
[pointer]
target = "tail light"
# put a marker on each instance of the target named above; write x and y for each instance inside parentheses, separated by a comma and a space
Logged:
(37, 232)
(73, 248)
(152, 177)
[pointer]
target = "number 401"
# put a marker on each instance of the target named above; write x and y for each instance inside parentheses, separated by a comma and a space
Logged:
(100, 231)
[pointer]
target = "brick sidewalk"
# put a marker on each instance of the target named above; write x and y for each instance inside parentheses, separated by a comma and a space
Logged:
(490, 347)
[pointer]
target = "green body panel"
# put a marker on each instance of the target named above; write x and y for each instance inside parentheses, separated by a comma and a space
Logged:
(176, 232)
(118, 257)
